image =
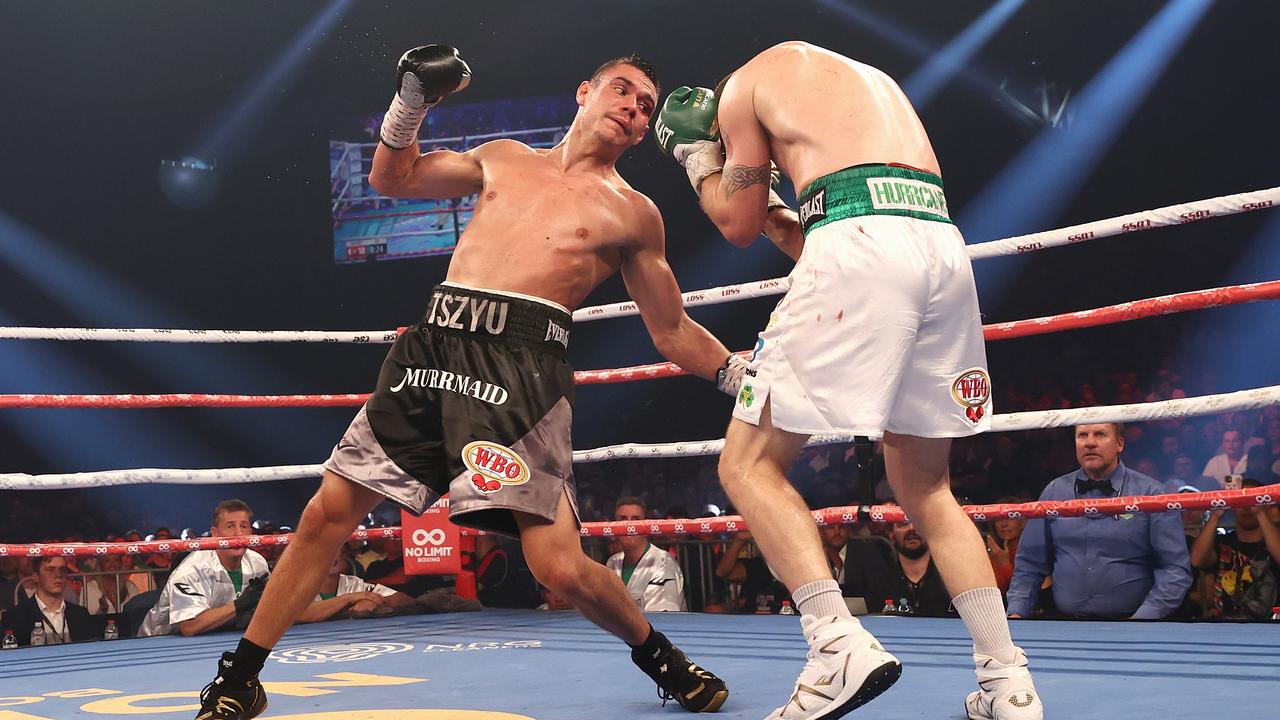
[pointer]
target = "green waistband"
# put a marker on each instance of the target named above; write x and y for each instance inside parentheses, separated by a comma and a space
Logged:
(873, 190)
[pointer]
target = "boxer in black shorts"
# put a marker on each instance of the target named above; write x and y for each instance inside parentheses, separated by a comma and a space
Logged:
(476, 400)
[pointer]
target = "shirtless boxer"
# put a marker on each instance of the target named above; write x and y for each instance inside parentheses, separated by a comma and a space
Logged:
(879, 335)
(476, 399)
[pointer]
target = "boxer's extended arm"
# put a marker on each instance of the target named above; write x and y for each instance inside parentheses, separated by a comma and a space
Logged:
(652, 285)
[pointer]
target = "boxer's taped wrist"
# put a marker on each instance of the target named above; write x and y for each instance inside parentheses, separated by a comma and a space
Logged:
(729, 376)
(401, 124)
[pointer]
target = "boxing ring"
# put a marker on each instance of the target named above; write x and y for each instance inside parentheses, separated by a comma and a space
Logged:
(554, 665)
(510, 665)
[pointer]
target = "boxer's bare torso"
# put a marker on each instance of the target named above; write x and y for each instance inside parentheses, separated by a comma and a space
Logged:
(550, 223)
(823, 112)
(545, 231)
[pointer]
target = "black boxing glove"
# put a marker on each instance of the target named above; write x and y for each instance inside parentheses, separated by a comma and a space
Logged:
(425, 76)
(251, 594)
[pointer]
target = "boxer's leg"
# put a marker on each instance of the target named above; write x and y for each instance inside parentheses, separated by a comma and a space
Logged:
(554, 553)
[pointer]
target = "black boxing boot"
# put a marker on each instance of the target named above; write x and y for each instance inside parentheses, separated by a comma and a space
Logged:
(678, 677)
(232, 695)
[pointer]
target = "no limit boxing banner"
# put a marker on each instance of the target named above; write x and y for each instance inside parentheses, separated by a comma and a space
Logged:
(431, 542)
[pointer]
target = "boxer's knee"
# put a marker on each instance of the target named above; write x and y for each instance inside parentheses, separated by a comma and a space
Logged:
(338, 505)
(561, 572)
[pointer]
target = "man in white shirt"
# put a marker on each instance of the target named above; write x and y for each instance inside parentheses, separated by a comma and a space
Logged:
(651, 575)
(211, 587)
(347, 593)
(1232, 460)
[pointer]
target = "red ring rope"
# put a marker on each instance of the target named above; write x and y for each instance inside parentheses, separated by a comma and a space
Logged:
(1214, 500)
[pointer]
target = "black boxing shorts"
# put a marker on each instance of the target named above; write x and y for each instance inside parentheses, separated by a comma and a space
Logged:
(476, 400)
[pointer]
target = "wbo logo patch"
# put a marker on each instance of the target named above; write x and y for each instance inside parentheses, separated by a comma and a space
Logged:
(494, 466)
(972, 390)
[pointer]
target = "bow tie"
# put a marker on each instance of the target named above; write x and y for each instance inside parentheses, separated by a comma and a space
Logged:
(1084, 486)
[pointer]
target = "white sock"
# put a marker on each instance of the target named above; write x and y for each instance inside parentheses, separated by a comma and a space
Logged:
(982, 610)
(821, 598)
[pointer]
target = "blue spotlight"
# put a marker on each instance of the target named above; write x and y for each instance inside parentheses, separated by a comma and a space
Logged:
(915, 44)
(82, 440)
(1040, 181)
(218, 145)
(95, 297)
(1246, 334)
(882, 26)
(945, 64)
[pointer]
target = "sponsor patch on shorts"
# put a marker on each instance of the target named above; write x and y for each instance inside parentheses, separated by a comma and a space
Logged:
(747, 396)
(494, 466)
(972, 390)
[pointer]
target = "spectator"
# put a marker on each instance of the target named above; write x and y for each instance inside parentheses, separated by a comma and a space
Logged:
(1002, 545)
(1103, 566)
(834, 538)
(106, 594)
(705, 588)
(9, 579)
(1170, 449)
(1192, 524)
(1231, 461)
(62, 621)
(759, 590)
(211, 589)
(341, 593)
(908, 576)
(651, 575)
(1244, 564)
(389, 569)
(1010, 470)
(1186, 475)
(25, 588)
(1263, 459)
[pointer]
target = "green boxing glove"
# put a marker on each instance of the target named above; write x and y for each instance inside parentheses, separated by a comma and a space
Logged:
(683, 131)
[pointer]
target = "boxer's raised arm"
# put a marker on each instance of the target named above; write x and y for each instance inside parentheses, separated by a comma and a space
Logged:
(424, 77)
(737, 199)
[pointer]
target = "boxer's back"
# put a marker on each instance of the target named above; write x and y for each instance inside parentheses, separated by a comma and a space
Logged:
(823, 112)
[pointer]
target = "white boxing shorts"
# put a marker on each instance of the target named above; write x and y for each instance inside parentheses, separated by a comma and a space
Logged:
(880, 329)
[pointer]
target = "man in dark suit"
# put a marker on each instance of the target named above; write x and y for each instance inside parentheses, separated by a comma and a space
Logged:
(59, 621)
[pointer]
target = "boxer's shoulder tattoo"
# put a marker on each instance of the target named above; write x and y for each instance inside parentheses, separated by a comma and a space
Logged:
(739, 177)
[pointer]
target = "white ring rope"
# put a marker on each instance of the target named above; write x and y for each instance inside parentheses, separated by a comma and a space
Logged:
(1182, 407)
(1134, 222)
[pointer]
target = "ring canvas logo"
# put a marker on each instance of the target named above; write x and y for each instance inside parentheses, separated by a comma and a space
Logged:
(494, 466)
(315, 654)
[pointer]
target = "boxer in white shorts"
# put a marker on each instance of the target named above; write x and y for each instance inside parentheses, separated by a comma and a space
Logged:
(879, 335)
